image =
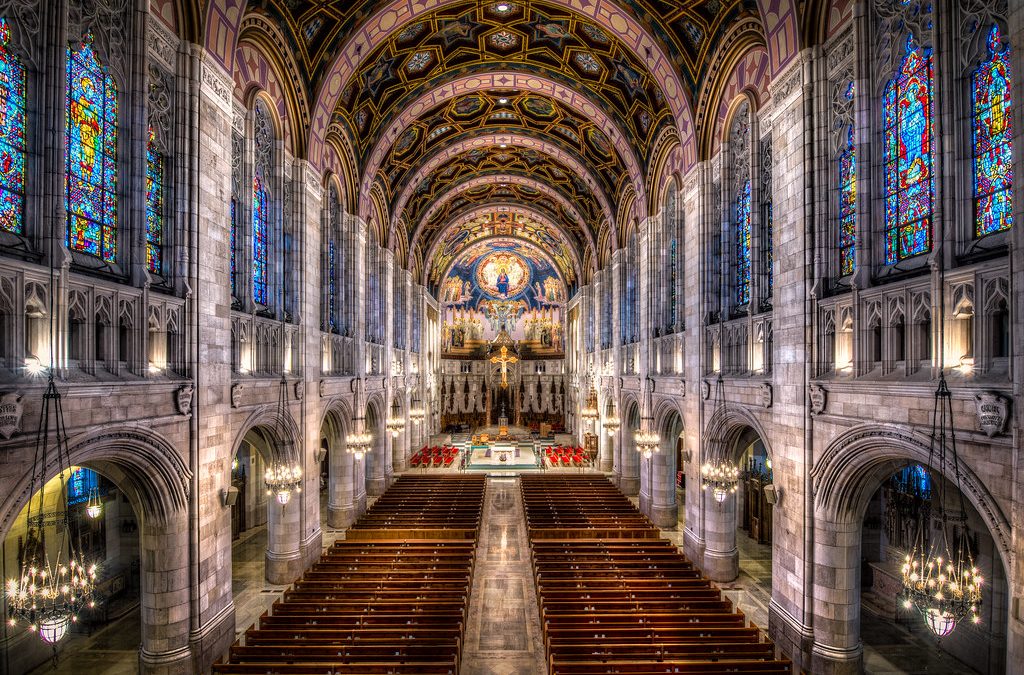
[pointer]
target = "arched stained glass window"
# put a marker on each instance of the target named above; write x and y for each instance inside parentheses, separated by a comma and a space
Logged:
(233, 244)
(848, 200)
(91, 152)
(155, 182)
(673, 282)
(12, 136)
(909, 178)
(332, 287)
(993, 131)
(742, 236)
(260, 235)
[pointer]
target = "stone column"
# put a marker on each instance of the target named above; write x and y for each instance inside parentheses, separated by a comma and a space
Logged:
(721, 557)
(378, 460)
(393, 445)
(283, 560)
(837, 646)
(341, 506)
(663, 512)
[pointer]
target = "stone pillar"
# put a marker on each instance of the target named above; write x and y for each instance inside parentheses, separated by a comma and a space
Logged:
(283, 561)
(663, 510)
(721, 557)
(165, 586)
(391, 447)
(837, 647)
(341, 507)
(378, 460)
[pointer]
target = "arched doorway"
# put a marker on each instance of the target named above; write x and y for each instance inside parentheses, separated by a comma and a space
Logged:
(344, 495)
(851, 481)
(893, 634)
(138, 541)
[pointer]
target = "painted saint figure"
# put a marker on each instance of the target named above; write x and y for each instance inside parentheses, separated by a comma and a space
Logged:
(501, 283)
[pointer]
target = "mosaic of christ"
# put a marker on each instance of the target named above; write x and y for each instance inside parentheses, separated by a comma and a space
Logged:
(502, 274)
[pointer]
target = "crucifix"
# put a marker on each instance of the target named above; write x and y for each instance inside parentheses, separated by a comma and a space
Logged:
(505, 360)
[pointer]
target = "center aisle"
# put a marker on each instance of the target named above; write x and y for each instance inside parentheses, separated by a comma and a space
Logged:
(503, 635)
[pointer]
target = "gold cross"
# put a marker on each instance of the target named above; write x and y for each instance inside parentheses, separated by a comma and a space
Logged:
(504, 360)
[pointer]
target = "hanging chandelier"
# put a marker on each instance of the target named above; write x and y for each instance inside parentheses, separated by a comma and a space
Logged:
(283, 475)
(94, 508)
(612, 423)
(589, 412)
(395, 422)
(53, 583)
(940, 578)
(417, 414)
(359, 442)
(722, 479)
(647, 442)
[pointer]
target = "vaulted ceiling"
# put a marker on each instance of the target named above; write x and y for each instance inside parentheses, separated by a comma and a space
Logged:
(558, 110)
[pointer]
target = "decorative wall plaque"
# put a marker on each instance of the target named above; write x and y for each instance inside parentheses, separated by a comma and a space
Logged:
(818, 397)
(183, 398)
(236, 394)
(993, 409)
(765, 395)
(11, 410)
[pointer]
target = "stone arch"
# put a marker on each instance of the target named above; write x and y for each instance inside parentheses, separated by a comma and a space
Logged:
(343, 488)
(725, 427)
(158, 485)
(269, 419)
(378, 460)
(661, 479)
(857, 461)
(850, 471)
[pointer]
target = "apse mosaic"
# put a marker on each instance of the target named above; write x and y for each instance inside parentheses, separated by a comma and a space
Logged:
(519, 225)
(502, 283)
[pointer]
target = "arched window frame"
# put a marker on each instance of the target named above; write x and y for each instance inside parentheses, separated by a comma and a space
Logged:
(105, 250)
(741, 219)
(265, 183)
(156, 227)
(333, 261)
(846, 178)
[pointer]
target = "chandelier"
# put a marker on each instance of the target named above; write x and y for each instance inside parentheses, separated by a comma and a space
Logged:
(395, 422)
(647, 442)
(94, 507)
(612, 423)
(940, 578)
(283, 475)
(939, 575)
(721, 479)
(360, 442)
(589, 412)
(416, 413)
(53, 583)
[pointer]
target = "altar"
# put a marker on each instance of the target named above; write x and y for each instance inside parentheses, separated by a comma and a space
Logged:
(501, 447)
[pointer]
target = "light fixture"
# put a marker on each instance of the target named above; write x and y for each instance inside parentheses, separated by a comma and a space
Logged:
(416, 413)
(283, 475)
(503, 101)
(502, 7)
(395, 422)
(647, 442)
(939, 575)
(33, 366)
(720, 479)
(503, 145)
(359, 442)
(589, 412)
(94, 507)
(50, 590)
(612, 423)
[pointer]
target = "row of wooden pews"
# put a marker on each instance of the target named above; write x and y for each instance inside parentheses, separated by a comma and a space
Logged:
(617, 598)
(390, 598)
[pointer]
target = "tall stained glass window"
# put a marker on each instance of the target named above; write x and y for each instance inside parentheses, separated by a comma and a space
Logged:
(12, 136)
(260, 250)
(91, 151)
(673, 267)
(742, 237)
(909, 178)
(848, 199)
(233, 243)
(993, 131)
(332, 287)
(155, 182)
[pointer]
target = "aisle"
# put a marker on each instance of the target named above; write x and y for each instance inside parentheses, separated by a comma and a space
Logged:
(503, 636)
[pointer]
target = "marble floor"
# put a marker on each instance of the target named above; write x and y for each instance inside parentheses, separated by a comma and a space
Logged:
(503, 634)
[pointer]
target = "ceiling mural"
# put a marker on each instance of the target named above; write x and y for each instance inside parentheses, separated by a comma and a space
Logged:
(504, 111)
(504, 223)
(497, 161)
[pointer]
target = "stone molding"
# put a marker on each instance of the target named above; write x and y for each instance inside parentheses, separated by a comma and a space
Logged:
(217, 84)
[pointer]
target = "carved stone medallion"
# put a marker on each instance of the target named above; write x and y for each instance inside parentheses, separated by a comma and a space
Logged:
(183, 398)
(818, 397)
(11, 410)
(236, 394)
(765, 395)
(993, 410)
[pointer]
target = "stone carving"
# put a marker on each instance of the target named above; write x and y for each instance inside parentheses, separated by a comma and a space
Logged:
(11, 410)
(183, 398)
(765, 395)
(818, 397)
(300, 389)
(993, 411)
(705, 389)
(323, 388)
(236, 394)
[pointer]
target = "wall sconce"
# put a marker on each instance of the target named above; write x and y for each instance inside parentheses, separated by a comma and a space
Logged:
(229, 496)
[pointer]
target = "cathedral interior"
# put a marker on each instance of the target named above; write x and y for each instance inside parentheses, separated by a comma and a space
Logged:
(526, 336)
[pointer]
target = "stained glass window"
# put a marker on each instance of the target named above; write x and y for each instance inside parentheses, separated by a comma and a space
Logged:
(260, 234)
(742, 229)
(672, 282)
(91, 150)
(848, 200)
(332, 288)
(12, 136)
(233, 243)
(154, 205)
(909, 179)
(993, 131)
